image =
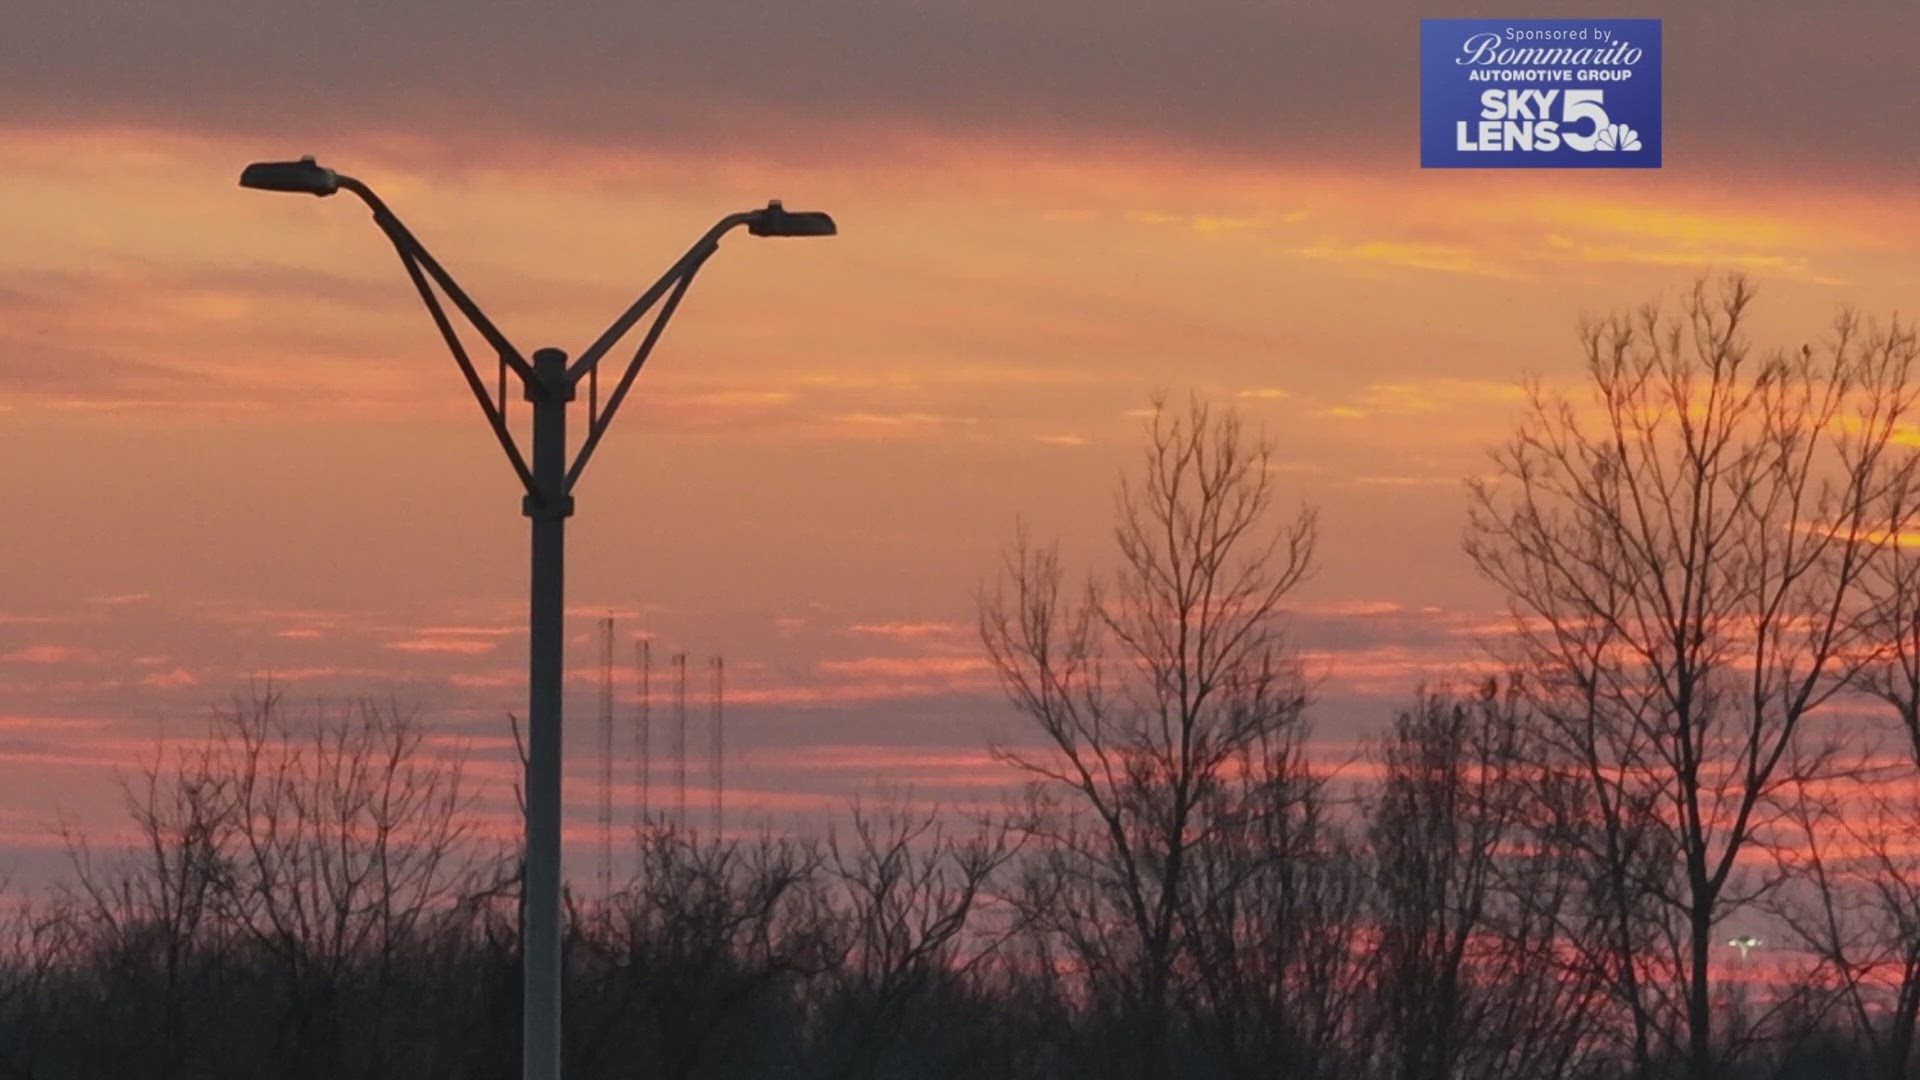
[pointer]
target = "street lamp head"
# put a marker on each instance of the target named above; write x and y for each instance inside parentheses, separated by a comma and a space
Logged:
(777, 220)
(304, 175)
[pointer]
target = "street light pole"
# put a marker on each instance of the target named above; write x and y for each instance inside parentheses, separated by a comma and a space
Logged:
(549, 385)
(548, 507)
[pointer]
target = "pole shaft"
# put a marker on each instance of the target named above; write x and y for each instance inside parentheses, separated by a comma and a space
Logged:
(549, 508)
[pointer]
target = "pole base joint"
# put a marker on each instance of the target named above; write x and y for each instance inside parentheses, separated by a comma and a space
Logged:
(534, 506)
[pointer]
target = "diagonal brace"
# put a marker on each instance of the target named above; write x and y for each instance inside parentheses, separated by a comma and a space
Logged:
(695, 255)
(496, 417)
(676, 279)
(409, 247)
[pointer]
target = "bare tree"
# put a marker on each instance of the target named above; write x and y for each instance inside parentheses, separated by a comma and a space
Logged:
(37, 947)
(1851, 846)
(1893, 582)
(1469, 970)
(692, 968)
(1156, 689)
(1273, 972)
(151, 919)
(912, 895)
(1685, 556)
(348, 840)
(1855, 905)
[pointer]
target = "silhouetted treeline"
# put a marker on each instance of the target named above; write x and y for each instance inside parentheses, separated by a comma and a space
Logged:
(280, 920)
(1527, 875)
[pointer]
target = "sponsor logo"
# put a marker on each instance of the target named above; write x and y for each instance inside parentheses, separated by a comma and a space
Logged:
(1540, 93)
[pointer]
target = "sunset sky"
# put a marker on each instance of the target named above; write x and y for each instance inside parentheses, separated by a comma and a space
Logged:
(238, 449)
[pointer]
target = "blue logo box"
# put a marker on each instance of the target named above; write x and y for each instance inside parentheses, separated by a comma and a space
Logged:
(1540, 93)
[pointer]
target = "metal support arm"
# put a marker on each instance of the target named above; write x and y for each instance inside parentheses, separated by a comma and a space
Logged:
(495, 413)
(422, 268)
(695, 255)
(598, 423)
(410, 246)
(415, 257)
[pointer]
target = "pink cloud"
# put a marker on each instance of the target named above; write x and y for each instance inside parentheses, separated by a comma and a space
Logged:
(918, 667)
(831, 695)
(1349, 607)
(460, 646)
(120, 600)
(911, 631)
(497, 680)
(49, 654)
(51, 723)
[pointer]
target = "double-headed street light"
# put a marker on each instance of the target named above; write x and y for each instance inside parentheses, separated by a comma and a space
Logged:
(549, 383)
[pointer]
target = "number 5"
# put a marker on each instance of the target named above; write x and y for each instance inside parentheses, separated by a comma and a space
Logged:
(1578, 105)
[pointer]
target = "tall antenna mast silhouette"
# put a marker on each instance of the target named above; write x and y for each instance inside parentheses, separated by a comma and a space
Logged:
(680, 734)
(719, 665)
(643, 735)
(606, 756)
